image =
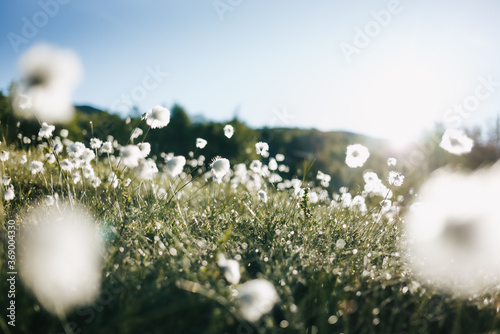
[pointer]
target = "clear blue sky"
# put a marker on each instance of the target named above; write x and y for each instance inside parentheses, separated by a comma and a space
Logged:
(278, 63)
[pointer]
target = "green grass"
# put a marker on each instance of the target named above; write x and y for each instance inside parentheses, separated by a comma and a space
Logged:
(160, 272)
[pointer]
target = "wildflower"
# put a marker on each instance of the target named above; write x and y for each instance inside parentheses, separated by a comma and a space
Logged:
(49, 76)
(175, 165)
(67, 165)
(9, 194)
(95, 182)
(4, 156)
(158, 117)
(60, 258)
(456, 142)
(50, 158)
(256, 298)
(5, 181)
(356, 155)
(49, 200)
(230, 268)
(46, 130)
(161, 194)
(256, 166)
(262, 149)
(145, 149)
(130, 155)
(107, 147)
(451, 238)
(76, 149)
(324, 178)
(95, 143)
(113, 179)
(262, 195)
(146, 169)
(127, 182)
(228, 131)
(220, 167)
(64, 133)
(24, 159)
(136, 133)
(201, 143)
(273, 164)
(395, 178)
(280, 157)
(77, 177)
(391, 162)
(35, 167)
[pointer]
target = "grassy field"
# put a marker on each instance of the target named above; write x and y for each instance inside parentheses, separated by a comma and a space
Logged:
(337, 265)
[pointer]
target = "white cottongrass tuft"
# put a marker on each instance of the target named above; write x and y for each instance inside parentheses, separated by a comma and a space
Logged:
(262, 195)
(60, 258)
(145, 149)
(35, 167)
(356, 155)
(64, 133)
(136, 133)
(262, 149)
(220, 167)
(175, 165)
(256, 298)
(67, 165)
(230, 268)
(49, 76)
(396, 178)
(8, 193)
(158, 117)
(107, 147)
(146, 169)
(46, 130)
(228, 131)
(130, 155)
(451, 237)
(4, 156)
(392, 162)
(95, 143)
(456, 142)
(201, 143)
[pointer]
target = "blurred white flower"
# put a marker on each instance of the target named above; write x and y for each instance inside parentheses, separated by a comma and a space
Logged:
(9, 194)
(230, 268)
(175, 165)
(64, 133)
(201, 143)
(4, 156)
(49, 200)
(60, 258)
(456, 142)
(273, 164)
(50, 158)
(107, 147)
(46, 130)
(262, 195)
(5, 181)
(220, 167)
(158, 117)
(396, 179)
(67, 165)
(356, 155)
(49, 76)
(228, 131)
(324, 178)
(145, 149)
(24, 159)
(136, 133)
(280, 157)
(256, 298)
(76, 149)
(146, 169)
(95, 182)
(452, 236)
(95, 143)
(35, 167)
(391, 162)
(130, 155)
(262, 149)
(256, 166)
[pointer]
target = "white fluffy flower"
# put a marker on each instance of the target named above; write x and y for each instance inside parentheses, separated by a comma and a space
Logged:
(201, 143)
(220, 167)
(256, 298)
(4, 156)
(175, 165)
(452, 235)
(9, 194)
(46, 130)
(456, 142)
(145, 149)
(228, 131)
(356, 155)
(67, 165)
(130, 155)
(49, 76)
(146, 169)
(60, 258)
(391, 162)
(95, 143)
(262, 149)
(35, 167)
(107, 147)
(230, 268)
(136, 133)
(395, 178)
(158, 117)
(262, 195)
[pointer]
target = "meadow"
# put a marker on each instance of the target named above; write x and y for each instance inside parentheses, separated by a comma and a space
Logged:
(101, 235)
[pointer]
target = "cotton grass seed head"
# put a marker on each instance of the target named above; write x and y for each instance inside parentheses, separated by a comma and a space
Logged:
(228, 131)
(356, 155)
(256, 298)
(130, 155)
(456, 142)
(175, 165)
(60, 258)
(158, 117)
(220, 167)
(201, 143)
(46, 130)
